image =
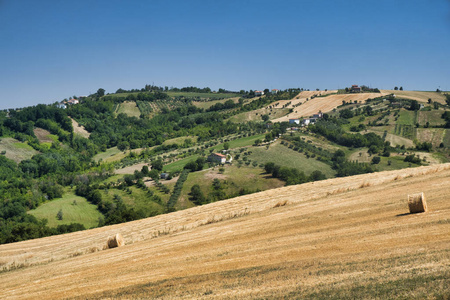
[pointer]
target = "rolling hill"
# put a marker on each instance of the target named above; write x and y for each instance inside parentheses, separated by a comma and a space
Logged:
(340, 238)
(324, 104)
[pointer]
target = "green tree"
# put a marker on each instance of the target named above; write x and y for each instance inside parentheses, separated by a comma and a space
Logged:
(197, 195)
(100, 92)
(226, 146)
(447, 99)
(59, 215)
(122, 146)
(157, 164)
(376, 160)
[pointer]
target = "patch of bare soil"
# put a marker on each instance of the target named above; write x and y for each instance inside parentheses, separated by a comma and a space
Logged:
(78, 129)
(42, 135)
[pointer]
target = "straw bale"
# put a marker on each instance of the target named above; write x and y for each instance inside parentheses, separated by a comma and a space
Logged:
(417, 203)
(115, 241)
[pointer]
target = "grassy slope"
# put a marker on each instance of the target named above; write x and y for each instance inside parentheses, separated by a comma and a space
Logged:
(248, 178)
(129, 108)
(83, 212)
(345, 238)
(418, 95)
(203, 95)
(286, 157)
(138, 199)
(16, 150)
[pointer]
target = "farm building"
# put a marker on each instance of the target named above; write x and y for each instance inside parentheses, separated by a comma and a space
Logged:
(259, 93)
(294, 121)
(73, 101)
(318, 116)
(274, 91)
(355, 89)
(217, 158)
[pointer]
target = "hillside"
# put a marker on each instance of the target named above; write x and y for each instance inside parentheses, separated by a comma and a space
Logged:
(342, 238)
(324, 104)
(420, 96)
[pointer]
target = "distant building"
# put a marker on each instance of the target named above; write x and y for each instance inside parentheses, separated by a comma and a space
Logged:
(318, 116)
(269, 125)
(73, 101)
(355, 89)
(164, 175)
(62, 105)
(259, 93)
(274, 91)
(217, 158)
(294, 121)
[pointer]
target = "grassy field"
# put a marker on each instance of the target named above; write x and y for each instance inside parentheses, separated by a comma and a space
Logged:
(283, 156)
(138, 200)
(208, 104)
(407, 117)
(114, 154)
(129, 108)
(236, 178)
(432, 116)
(82, 212)
(179, 164)
(241, 142)
(212, 96)
(343, 238)
(108, 155)
(434, 136)
(16, 150)
(180, 140)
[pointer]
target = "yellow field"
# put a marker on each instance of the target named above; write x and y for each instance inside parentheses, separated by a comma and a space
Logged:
(342, 238)
(418, 95)
(324, 104)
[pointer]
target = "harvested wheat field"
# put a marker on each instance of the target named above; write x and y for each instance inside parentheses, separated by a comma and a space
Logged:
(340, 238)
(418, 95)
(325, 104)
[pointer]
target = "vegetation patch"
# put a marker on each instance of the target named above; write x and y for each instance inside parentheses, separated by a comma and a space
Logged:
(286, 157)
(15, 150)
(129, 108)
(74, 209)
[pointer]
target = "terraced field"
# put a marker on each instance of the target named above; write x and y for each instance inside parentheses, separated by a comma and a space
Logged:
(340, 238)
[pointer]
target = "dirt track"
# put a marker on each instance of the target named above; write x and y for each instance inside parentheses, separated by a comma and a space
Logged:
(297, 239)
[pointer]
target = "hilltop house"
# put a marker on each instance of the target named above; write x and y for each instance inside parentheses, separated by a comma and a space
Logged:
(73, 101)
(355, 89)
(274, 91)
(259, 93)
(217, 158)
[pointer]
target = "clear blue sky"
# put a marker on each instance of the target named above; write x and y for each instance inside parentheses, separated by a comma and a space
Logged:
(51, 49)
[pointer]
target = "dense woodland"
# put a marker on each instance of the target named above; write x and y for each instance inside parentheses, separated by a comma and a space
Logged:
(67, 162)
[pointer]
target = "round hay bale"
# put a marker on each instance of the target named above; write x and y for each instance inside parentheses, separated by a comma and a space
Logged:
(417, 203)
(115, 241)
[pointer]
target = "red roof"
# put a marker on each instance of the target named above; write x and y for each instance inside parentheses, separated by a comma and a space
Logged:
(221, 155)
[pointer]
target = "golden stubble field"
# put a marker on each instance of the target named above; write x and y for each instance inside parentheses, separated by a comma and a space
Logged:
(344, 238)
(324, 104)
